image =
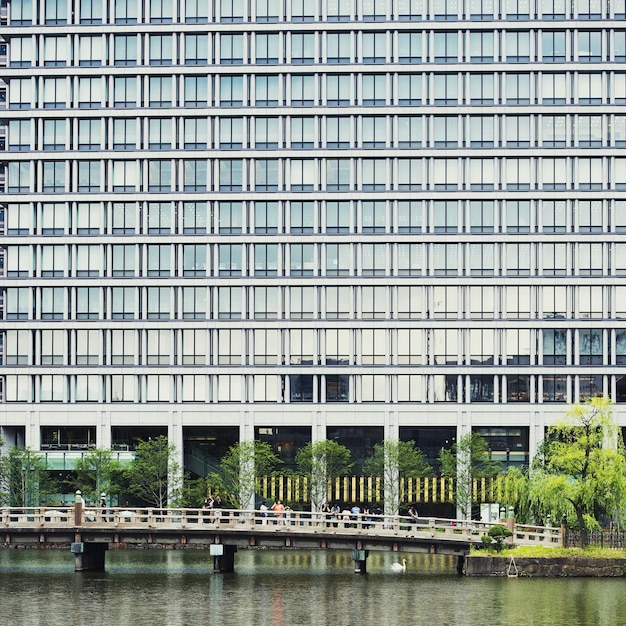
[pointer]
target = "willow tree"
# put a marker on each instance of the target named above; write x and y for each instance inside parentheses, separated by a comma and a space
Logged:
(393, 460)
(321, 462)
(581, 470)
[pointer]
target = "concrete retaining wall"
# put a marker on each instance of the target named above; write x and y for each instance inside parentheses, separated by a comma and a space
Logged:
(545, 567)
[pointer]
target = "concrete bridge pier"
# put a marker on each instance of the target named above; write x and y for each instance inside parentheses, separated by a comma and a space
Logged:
(223, 558)
(460, 564)
(359, 556)
(89, 557)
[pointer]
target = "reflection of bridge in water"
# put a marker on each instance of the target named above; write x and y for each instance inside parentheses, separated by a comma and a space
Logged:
(91, 532)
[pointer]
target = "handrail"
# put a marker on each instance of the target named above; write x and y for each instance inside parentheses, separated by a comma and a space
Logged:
(247, 520)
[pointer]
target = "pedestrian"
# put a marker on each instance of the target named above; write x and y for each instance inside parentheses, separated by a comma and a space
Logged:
(263, 510)
(279, 511)
(413, 513)
(217, 507)
(326, 513)
(207, 505)
(334, 514)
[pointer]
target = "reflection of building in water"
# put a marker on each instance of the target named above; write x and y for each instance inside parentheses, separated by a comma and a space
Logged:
(404, 220)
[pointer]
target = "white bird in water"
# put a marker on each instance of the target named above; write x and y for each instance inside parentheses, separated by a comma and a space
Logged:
(399, 567)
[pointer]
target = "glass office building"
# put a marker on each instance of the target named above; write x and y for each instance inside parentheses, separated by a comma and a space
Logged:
(300, 219)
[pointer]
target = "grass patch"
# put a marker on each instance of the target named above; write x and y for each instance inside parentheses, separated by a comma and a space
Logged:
(544, 552)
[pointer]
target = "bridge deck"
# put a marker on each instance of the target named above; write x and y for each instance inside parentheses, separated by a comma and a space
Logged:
(250, 528)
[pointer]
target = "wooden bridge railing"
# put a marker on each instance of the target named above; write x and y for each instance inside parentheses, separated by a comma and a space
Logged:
(442, 530)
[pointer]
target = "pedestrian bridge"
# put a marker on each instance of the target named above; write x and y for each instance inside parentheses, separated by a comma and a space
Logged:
(91, 531)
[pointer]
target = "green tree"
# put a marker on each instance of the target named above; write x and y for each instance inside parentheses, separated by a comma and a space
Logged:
(244, 462)
(97, 471)
(322, 462)
(581, 468)
(24, 477)
(393, 460)
(467, 460)
(154, 476)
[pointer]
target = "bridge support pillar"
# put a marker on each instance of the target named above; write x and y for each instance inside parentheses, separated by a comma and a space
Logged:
(223, 558)
(89, 557)
(360, 561)
(460, 564)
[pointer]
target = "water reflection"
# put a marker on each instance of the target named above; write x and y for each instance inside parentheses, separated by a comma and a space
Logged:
(285, 588)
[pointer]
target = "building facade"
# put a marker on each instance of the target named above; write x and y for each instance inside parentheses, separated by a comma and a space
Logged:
(304, 219)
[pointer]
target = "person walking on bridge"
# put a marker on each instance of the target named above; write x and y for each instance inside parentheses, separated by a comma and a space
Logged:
(279, 511)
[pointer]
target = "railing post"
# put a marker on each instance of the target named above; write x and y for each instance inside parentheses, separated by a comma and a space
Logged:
(78, 509)
(431, 526)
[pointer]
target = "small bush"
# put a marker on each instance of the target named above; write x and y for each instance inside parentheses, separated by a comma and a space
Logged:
(498, 534)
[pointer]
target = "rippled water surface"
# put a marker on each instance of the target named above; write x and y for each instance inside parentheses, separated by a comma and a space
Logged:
(287, 588)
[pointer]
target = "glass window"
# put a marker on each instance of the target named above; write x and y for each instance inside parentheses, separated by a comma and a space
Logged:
(302, 217)
(445, 89)
(196, 92)
(161, 49)
(160, 91)
(338, 48)
(554, 347)
(338, 90)
(266, 91)
(195, 218)
(481, 89)
(517, 216)
(123, 260)
(124, 218)
(267, 49)
(338, 132)
(374, 47)
(302, 132)
(159, 303)
(125, 92)
(517, 88)
(231, 49)
(302, 90)
(590, 46)
(373, 89)
(196, 49)
(481, 46)
(196, 133)
(303, 48)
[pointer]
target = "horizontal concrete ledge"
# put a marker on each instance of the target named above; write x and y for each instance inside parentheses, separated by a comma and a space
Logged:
(546, 567)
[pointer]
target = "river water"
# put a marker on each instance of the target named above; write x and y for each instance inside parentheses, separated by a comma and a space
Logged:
(288, 588)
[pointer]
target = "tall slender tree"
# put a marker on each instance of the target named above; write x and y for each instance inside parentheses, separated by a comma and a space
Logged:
(154, 476)
(321, 462)
(393, 460)
(97, 471)
(467, 460)
(244, 462)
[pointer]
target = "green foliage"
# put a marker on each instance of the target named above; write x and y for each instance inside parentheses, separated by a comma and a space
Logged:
(581, 469)
(467, 459)
(244, 462)
(515, 493)
(321, 462)
(97, 471)
(393, 460)
(407, 460)
(498, 534)
(194, 491)
(154, 477)
(24, 479)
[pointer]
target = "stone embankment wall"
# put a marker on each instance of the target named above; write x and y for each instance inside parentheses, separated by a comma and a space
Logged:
(545, 567)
